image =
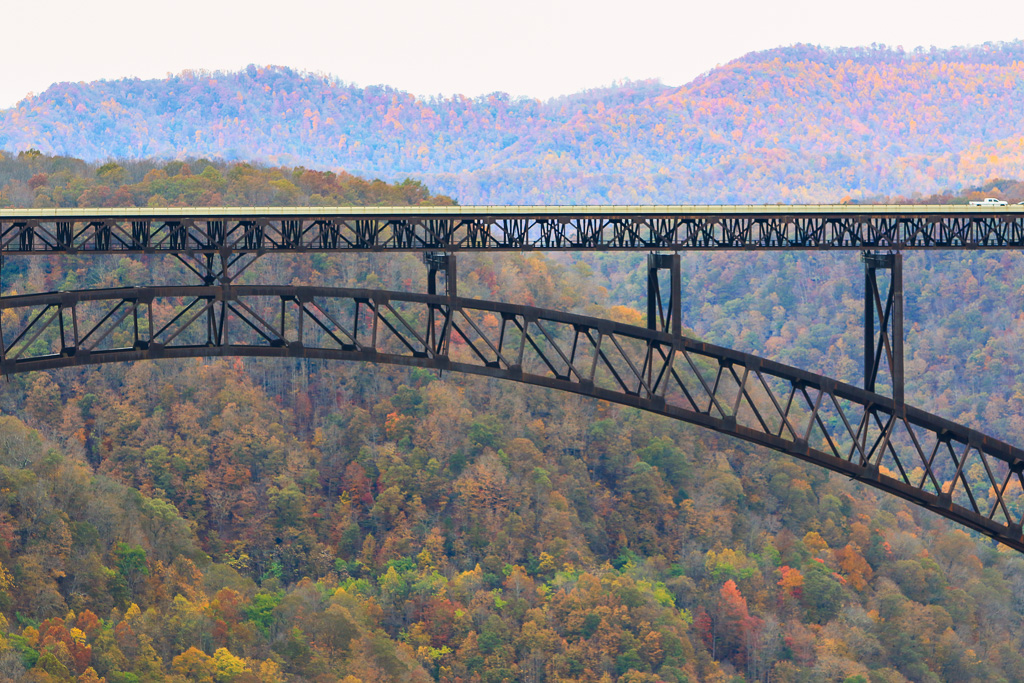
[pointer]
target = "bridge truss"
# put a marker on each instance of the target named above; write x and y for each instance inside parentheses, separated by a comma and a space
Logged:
(950, 469)
(229, 232)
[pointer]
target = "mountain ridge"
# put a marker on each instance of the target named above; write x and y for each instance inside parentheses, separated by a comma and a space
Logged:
(801, 123)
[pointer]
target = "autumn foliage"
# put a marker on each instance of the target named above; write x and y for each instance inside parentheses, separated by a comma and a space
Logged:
(298, 520)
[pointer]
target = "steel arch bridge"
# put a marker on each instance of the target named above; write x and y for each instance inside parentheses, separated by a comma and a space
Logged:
(945, 467)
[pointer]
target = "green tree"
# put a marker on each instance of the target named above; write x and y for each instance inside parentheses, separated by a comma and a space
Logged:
(822, 594)
(131, 564)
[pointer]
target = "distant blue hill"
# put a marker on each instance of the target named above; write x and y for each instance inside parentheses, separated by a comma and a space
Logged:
(801, 123)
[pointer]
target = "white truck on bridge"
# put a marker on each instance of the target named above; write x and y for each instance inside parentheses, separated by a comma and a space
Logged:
(988, 201)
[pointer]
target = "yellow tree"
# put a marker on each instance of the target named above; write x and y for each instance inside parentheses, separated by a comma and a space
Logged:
(195, 665)
(227, 666)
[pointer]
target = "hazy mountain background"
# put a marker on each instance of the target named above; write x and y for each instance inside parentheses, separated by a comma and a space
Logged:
(795, 124)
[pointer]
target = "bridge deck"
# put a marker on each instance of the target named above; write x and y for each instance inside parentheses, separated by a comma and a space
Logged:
(498, 211)
(226, 230)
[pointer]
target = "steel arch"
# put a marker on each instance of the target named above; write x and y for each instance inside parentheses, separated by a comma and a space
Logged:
(950, 469)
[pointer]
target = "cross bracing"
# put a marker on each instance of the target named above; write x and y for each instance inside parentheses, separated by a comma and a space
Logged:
(861, 432)
(477, 228)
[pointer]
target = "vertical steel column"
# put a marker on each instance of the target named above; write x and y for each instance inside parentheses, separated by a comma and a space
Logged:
(209, 278)
(896, 289)
(887, 339)
(659, 316)
(870, 288)
(440, 262)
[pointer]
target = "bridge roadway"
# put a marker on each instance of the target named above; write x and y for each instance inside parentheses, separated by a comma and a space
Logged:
(465, 228)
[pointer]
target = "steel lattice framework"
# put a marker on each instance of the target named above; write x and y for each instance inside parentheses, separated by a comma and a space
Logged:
(942, 466)
(945, 467)
(228, 232)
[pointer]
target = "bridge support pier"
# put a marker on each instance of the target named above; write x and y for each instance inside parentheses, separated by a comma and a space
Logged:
(885, 341)
(666, 317)
(443, 263)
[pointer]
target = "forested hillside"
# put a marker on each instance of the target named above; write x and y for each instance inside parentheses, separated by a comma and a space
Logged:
(288, 520)
(33, 179)
(794, 124)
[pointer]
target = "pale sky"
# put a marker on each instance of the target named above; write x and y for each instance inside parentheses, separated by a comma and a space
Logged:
(535, 48)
